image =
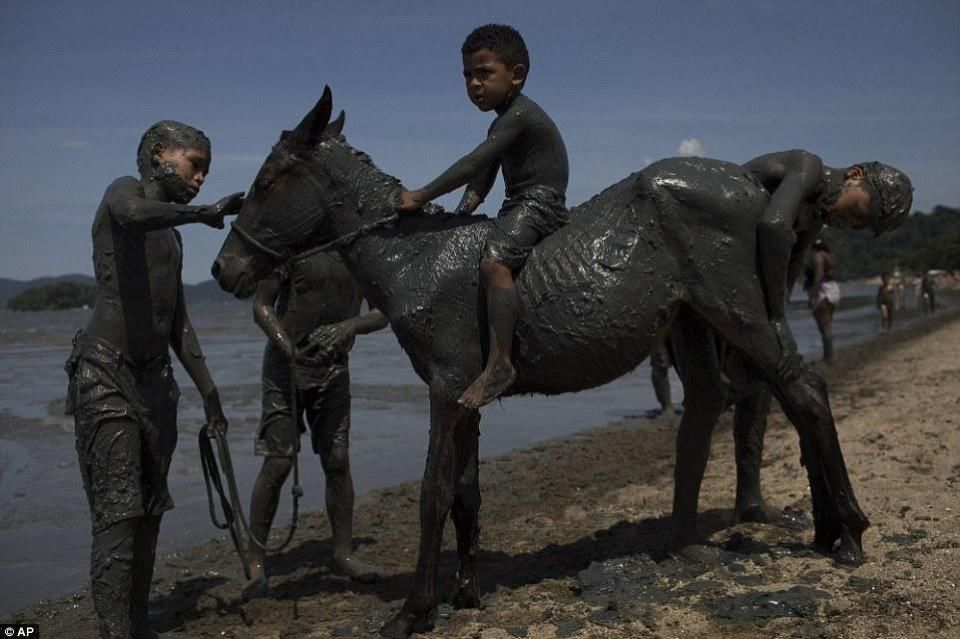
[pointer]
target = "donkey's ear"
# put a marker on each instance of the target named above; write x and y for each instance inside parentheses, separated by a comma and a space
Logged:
(334, 128)
(311, 127)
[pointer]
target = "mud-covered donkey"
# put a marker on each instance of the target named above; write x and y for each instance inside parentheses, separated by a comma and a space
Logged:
(671, 246)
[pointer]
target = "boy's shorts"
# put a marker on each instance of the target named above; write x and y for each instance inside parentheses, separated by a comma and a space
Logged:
(126, 428)
(323, 393)
(524, 221)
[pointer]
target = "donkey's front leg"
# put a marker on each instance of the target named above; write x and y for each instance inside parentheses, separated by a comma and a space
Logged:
(436, 497)
(466, 509)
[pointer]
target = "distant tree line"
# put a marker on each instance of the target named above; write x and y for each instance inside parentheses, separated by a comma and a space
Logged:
(924, 241)
(53, 297)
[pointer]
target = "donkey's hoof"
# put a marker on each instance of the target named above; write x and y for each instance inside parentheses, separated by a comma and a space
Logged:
(467, 594)
(850, 550)
(406, 622)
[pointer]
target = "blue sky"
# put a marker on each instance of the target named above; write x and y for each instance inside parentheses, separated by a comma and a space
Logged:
(627, 83)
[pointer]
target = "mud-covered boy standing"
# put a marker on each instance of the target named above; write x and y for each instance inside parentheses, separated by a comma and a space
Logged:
(122, 393)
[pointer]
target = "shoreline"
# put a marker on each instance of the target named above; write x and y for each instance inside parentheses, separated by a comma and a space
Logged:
(603, 496)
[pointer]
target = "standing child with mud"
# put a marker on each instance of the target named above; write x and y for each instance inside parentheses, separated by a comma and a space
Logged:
(314, 295)
(122, 393)
(526, 143)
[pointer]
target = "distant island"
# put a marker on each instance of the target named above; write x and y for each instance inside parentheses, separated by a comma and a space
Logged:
(53, 297)
(45, 294)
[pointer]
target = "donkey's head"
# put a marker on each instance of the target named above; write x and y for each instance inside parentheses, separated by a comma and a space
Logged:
(308, 192)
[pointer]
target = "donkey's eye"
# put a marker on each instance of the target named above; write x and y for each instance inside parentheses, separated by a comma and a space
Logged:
(263, 185)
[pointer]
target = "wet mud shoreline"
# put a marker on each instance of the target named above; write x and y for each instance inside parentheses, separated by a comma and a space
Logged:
(572, 534)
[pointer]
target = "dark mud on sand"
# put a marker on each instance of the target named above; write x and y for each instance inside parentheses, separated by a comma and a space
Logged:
(572, 534)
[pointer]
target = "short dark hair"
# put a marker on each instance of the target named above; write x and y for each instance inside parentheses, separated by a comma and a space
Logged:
(172, 134)
(502, 39)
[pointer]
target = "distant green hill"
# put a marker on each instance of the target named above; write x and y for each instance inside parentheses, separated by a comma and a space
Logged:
(924, 241)
(53, 297)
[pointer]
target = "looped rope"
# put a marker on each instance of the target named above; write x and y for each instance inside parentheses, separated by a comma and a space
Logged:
(233, 517)
(344, 240)
(255, 243)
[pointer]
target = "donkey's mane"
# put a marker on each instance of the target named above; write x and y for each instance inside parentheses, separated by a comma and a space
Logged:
(375, 180)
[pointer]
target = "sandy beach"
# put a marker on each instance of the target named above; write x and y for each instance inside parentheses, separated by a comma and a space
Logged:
(572, 534)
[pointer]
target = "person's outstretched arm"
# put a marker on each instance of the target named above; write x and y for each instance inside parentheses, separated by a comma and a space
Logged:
(133, 211)
(797, 174)
(503, 133)
(186, 346)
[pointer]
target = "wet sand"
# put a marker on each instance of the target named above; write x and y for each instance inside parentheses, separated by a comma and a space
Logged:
(572, 534)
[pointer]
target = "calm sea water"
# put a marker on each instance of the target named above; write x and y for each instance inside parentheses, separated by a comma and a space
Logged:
(44, 523)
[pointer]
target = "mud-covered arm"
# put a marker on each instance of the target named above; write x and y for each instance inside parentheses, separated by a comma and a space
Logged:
(265, 314)
(805, 240)
(371, 322)
(796, 175)
(133, 211)
(477, 190)
(504, 132)
(337, 337)
(186, 346)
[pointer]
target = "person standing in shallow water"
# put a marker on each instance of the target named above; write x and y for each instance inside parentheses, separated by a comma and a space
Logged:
(928, 293)
(526, 143)
(121, 389)
(824, 294)
(314, 301)
(886, 302)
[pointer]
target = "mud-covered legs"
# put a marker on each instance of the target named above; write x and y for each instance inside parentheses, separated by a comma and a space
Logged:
(466, 511)
(503, 303)
(335, 459)
(823, 314)
(704, 401)
(749, 428)
(450, 481)
(263, 508)
(837, 515)
(805, 401)
(121, 570)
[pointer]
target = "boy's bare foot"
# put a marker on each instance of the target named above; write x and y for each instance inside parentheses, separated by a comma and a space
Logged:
(358, 570)
(492, 382)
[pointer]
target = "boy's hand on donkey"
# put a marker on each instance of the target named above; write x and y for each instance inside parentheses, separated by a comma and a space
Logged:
(410, 201)
(213, 215)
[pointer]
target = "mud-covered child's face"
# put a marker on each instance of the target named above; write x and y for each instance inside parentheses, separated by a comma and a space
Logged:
(181, 172)
(489, 80)
(852, 209)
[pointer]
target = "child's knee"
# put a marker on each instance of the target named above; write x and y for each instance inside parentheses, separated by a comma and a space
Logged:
(495, 273)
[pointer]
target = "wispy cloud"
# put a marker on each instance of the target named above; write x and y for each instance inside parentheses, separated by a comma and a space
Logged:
(76, 144)
(690, 147)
